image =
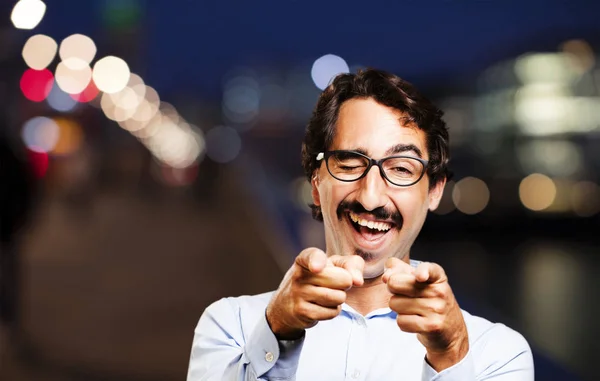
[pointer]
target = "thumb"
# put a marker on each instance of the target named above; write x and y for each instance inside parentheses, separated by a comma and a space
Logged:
(312, 259)
(394, 265)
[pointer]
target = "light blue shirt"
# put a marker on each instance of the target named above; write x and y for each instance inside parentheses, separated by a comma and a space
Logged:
(233, 341)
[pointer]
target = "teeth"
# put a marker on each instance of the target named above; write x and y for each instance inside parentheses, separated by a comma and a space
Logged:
(381, 226)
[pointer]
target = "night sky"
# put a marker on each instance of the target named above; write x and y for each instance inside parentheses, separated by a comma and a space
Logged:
(189, 45)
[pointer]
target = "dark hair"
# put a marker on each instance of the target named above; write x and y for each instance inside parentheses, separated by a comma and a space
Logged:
(388, 90)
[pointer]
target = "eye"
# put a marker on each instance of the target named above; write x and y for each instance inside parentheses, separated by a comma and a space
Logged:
(403, 170)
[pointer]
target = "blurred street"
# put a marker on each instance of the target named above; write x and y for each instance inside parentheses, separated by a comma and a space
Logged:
(117, 295)
(150, 165)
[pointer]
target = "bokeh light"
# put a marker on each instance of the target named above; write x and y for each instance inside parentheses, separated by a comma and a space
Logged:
(147, 129)
(326, 68)
(537, 192)
(585, 198)
(88, 94)
(148, 107)
(112, 111)
(60, 101)
(174, 145)
(39, 51)
(144, 112)
(223, 144)
(471, 195)
(446, 203)
(111, 74)
(241, 99)
(39, 163)
(580, 55)
(555, 157)
(178, 177)
(27, 14)
(73, 75)
(40, 134)
(36, 84)
(539, 68)
(78, 46)
(70, 137)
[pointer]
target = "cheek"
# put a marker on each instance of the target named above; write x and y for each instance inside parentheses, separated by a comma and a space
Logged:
(333, 194)
(412, 203)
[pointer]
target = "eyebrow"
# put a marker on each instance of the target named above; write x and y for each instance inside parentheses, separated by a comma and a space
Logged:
(398, 148)
(402, 148)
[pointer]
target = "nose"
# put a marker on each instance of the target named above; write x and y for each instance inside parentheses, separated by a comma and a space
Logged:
(371, 193)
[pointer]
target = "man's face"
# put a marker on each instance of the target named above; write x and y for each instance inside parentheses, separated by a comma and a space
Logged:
(397, 213)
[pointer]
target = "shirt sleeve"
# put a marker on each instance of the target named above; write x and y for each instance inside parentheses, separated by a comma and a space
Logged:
(276, 359)
(500, 354)
(220, 352)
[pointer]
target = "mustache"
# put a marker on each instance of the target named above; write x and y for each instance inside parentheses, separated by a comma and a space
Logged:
(378, 213)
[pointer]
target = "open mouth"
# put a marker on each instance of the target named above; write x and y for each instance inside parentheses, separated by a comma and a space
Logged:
(370, 230)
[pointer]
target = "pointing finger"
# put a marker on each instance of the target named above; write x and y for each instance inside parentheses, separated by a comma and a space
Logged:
(313, 260)
(393, 265)
(428, 272)
(353, 263)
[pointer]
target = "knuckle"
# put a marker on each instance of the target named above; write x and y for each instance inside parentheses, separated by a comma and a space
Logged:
(356, 261)
(438, 307)
(434, 325)
(393, 282)
(301, 309)
(331, 313)
(336, 296)
(347, 280)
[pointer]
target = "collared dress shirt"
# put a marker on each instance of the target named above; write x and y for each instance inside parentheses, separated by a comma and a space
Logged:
(233, 342)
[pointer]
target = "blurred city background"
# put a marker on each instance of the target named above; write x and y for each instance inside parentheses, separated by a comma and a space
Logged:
(150, 164)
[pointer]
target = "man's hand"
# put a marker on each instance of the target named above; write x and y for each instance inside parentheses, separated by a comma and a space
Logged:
(312, 290)
(425, 305)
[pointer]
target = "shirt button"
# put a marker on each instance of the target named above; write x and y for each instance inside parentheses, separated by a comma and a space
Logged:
(269, 357)
(356, 373)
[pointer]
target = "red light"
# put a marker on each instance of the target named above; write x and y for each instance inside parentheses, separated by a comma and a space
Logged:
(36, 84)
(87, 95)
(39, 163)
(179, 176)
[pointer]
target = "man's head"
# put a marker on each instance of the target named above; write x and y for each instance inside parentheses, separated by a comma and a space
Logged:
(377, 115)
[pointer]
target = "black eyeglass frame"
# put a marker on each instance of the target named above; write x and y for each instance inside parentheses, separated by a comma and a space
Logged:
(379, 163)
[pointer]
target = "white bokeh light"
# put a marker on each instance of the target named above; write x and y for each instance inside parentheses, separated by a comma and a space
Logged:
(326, 68)
(39, 51)
(78, 46)
(27, 14)
(73, 75)
(111, 74)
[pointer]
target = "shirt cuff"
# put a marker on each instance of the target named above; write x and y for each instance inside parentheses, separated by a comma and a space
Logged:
(461, 371)
(266, 354)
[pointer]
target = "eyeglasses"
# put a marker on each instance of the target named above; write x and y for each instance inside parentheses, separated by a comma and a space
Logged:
(349, 166)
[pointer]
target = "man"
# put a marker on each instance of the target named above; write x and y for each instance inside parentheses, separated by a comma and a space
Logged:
(376, 155)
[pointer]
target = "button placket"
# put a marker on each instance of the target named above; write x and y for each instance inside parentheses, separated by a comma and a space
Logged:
(357, 350)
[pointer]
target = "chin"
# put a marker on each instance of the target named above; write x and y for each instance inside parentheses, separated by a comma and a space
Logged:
(374, 264)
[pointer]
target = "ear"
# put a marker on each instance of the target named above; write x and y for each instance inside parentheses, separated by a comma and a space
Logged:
(314, 182)
(435, 194)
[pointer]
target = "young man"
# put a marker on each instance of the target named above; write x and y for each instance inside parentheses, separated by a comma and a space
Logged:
(376, 155)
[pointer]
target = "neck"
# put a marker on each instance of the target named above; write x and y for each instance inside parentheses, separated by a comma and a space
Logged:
(372, 295)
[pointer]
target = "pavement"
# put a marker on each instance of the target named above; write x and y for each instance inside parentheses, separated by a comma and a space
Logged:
(113, 288)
